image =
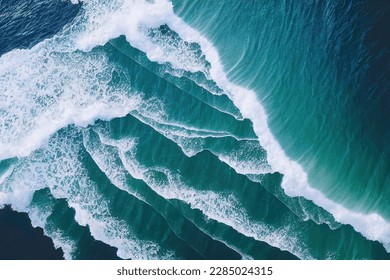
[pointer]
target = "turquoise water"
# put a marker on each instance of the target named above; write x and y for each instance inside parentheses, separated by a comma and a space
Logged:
(202, 130)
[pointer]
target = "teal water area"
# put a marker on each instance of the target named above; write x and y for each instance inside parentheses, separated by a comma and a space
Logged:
(311, 66)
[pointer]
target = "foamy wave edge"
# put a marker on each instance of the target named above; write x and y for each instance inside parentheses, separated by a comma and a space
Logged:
(295, 181)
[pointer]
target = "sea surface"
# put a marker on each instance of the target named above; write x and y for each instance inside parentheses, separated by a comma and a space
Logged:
(156, 129)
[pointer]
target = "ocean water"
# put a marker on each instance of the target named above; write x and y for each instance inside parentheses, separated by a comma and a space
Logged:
(198, 129)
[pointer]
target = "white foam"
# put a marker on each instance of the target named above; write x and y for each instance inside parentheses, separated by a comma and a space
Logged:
(23, 179)
(134, 18)
(228, 210)
(180, 129)
(244, 165)
(106, 158)
(38, 216)
(295, 181)
(18, 186)
(92, 209)
(244, 159)
(200, 82)
(43, 91)
(57, 167)
(216, 206)
(193, 142)
(6, 174)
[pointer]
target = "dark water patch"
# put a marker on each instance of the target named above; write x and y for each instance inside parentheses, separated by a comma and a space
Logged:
(24, 23)
(62, 219)
(377, 84)
(20, 241)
